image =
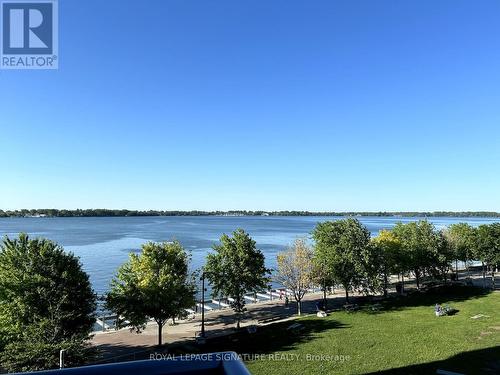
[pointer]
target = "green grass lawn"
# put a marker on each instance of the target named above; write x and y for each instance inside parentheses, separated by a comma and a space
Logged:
(405, 337)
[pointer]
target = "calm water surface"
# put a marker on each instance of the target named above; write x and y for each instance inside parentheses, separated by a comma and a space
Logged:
(104, 243)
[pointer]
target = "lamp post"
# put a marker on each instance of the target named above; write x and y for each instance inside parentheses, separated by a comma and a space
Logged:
(62, 354)
(202, 304)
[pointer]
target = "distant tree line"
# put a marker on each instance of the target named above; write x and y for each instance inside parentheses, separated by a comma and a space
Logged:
(49, 212)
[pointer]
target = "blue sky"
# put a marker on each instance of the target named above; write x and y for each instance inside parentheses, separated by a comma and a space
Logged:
(274, 105)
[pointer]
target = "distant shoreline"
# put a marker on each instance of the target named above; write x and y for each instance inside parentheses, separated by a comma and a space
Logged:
(131, 213)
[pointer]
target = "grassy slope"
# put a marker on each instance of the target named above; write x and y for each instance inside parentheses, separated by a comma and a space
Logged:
(404, 338)
(398, 337)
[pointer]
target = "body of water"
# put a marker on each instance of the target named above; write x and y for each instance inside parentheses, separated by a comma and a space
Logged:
(103, 243)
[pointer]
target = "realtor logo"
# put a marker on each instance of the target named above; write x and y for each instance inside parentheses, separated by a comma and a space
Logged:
(28, 34)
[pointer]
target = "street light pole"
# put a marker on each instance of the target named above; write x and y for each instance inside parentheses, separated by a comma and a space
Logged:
(202, 304)
(62, 353)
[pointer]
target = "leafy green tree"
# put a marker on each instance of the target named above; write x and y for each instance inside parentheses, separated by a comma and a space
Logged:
(156, 284)
(387, 246)
(236, 267)
(488, 247)
(461, 237)
(35, 349)
(296, 270)
(342, 247)
(46, 304)
(322, 275)
(441, 260)
(420, 242)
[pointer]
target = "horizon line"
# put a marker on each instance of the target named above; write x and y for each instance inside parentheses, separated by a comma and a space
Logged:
(155, 212)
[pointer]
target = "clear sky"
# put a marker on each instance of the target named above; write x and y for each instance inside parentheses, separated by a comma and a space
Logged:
(262, 104)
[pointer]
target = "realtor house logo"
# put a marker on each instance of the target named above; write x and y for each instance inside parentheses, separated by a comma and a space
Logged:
(29, 38)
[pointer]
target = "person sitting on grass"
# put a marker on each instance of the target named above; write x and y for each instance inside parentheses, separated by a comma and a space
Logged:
(438, 310)
(320, 313)
(446, 310)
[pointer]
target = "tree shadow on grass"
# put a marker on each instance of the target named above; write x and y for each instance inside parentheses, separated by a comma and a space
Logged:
(436, 295)
(480, 362)
(439, 294)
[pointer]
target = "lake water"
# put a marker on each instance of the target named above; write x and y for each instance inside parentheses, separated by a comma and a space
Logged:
(104, 243)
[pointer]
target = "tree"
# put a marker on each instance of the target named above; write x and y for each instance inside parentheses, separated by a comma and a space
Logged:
(461, 237)
(322, 275)
(156, 284)
(388, 247)
(296, 270)
(342, 247)
(442, 258)
(46, 304)
(420, 242)
(488, 247)
(35, 350)
(236, 267)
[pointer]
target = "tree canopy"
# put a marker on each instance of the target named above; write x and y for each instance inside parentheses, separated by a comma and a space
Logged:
(236, 267)
(342, 247)
(462, 240)
(295, 270)
(420, 242)
(46, 304)
(488, 247)
(155, 284)
(387, 248)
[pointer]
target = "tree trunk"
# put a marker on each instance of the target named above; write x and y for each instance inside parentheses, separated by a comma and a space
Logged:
(160, 329)
(346, 296)
(402, 283)
(456, 267)
(484, 275)
(239, 305)
(299, 308)
(417, 278)
(493, 277)
(324, 298)
(385, 284)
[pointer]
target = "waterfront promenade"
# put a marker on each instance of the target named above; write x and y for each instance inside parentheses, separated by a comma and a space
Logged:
(124, 344)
